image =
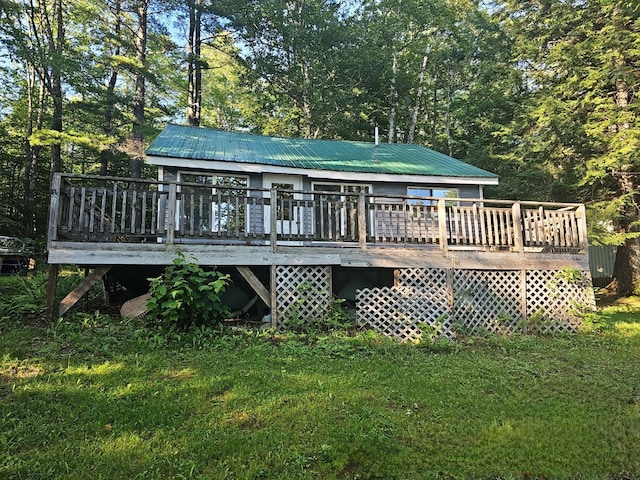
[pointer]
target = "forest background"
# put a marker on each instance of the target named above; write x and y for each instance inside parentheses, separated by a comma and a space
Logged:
(542, 92)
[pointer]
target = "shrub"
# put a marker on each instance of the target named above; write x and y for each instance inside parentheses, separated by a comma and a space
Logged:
(186, 295)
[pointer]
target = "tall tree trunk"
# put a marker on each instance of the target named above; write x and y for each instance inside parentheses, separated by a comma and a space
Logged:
(306, 103)
(54, 31)
(434, 114)
(626, 268)
(418, 100)
(194, 47)
(106, 155)
(32, 153)
(140, 89)
(448, 116)
(393, 98)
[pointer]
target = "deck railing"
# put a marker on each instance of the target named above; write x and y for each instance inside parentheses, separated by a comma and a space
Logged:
(111, 209)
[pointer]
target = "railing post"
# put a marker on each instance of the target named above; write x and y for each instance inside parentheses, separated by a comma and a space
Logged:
(442, 224)
(582, 228)
(171, 213)
(54, 208)
(362, 222)
(273, 234)
(517, 227)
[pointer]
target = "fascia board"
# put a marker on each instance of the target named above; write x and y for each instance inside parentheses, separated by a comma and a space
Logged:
(237, 167)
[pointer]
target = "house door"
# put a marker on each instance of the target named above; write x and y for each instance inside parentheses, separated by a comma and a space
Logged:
(289, 213)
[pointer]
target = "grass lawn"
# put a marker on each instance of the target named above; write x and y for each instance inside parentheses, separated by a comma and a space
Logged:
(97, 397)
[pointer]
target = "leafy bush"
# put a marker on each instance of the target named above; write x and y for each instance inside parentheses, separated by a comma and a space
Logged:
(186, 295)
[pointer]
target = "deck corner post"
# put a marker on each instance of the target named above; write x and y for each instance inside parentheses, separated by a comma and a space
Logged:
(171, 213)
(517, 227)
(54, 207)
(52, 286)
(273, 225)
(582, 228)
(362, 222)
(442, 223)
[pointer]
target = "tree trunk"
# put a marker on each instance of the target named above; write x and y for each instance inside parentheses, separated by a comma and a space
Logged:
(140, 90)
(418, 100)
(109, 108)
(626, 269)
(54, 30)
(393, 98)
(194, 47)
(32, 153)
(434, 115)
(448, 116)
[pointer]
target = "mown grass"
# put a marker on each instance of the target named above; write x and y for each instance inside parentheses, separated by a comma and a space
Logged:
(99, 397)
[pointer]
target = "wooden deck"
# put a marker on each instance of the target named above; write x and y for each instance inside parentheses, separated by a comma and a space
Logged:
(470, 261)
(108, 220)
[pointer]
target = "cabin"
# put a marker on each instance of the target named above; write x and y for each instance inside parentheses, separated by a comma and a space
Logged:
(402, 234)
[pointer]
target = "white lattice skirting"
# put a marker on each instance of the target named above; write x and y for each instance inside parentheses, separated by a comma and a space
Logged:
(444, 302)
(303, 293)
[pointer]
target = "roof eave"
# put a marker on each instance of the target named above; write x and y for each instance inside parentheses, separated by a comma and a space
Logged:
(241, 167)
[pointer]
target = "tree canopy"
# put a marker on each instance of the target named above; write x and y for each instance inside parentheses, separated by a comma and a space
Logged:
(542, 92)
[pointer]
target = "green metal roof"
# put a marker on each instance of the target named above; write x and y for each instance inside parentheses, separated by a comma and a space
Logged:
(197, 143)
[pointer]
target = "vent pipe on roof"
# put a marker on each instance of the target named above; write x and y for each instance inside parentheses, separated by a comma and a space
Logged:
(377, 137)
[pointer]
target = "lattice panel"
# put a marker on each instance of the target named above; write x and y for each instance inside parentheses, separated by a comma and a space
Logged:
(487, 300)
(426, 279)
(302, 292)
(420, 299)
(554, 304)
(483, 300)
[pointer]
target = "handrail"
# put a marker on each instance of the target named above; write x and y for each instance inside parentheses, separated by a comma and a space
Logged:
(116, 209)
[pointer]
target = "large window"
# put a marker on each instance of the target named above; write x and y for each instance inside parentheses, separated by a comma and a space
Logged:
(341, 188)
(228, 181)
(219, 206)
(430, 192)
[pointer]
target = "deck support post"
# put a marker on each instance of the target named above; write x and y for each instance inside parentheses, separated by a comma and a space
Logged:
(52, 285)
(362, 222)
(274, 296)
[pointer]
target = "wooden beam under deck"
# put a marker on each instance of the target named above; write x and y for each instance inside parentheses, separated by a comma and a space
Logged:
(94, 254)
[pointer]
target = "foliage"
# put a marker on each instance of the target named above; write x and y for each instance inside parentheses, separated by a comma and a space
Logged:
(542, 93)
(25, 296)
(577, 133)
(94, 397)
(185, 295)
(334, 319)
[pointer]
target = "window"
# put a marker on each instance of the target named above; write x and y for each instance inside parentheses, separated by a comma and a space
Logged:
(221, 209)
(430, 192)
(228, 181)
(341, 188)
(285, 199)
